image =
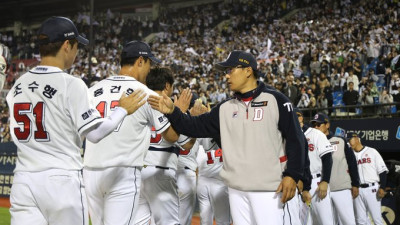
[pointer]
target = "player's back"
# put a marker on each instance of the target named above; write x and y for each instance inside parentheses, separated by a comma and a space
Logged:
(318, 145)
(210, 159)
(47, 122)
(162, 152)
(128, 143)
(187, 157)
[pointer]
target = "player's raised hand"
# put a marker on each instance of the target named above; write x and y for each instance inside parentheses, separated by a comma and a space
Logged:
(322, 189)
(132, 102)
(354, 192)
(288, 188)
(183, 101)
(198, 108)
(161, 103)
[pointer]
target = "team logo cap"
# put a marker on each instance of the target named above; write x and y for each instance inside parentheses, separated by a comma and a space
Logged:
(238, 58)
(58, 28)
(136, 49)
(351, 135)
(320, 118)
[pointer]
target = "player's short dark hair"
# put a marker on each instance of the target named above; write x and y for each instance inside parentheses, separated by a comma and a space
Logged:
(158, 77)
(51, 49)
(130, 61)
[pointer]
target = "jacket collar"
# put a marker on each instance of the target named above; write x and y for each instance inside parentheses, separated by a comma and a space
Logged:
(251, 94)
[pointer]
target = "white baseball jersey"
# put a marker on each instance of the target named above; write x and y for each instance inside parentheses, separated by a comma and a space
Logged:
(370, 164)
(210, 163)
(164, 153)
(50, 111)
(318, 146)
(187, 157)
(129, 142)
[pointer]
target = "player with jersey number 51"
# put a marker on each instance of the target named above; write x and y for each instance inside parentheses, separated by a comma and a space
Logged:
(263, 147)
(50, 115)
(373, 172)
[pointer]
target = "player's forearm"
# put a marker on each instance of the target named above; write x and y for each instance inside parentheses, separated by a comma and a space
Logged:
(352, 164)
(205, 125)
(326, 167)
(382, 180)
(107, 126)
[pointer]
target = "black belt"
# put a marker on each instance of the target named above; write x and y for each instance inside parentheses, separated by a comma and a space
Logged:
(367, 185)
(172, 149)
(163, 168)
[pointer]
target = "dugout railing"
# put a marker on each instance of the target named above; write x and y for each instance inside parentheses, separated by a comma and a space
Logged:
(384, 110)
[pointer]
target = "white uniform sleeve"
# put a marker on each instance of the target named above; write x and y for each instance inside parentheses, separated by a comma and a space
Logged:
(379, 163)
(158, 120)
(80, 107)
(182, 140)
(107, 125)
(322, 144)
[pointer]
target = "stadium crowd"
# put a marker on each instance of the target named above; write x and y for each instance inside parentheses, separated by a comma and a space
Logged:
(318, 53)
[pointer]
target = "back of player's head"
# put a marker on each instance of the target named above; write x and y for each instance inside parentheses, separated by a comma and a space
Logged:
(319, 118)
(135, 49)
(158, 77)
(54, 31)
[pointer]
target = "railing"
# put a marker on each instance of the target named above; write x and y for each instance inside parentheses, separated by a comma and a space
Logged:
(356, 111)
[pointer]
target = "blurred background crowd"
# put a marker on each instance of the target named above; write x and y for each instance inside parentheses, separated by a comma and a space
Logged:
(318, 53)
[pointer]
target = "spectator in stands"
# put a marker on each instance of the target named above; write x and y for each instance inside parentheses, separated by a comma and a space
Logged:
(384, 98)
(304, 99)
(322, 102)
(290, 90)
(351, 77)
(351, 96)
(366, 98)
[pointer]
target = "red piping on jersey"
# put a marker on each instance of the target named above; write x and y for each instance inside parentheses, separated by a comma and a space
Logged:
(283, 158)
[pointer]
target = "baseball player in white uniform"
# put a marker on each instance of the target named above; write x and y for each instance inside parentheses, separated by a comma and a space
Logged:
(373, 172)
(4, 62)
(50, 115)
(159, 199)
(113, 166)
(320, 154)
(344, 180)
(186, 181)
(212, 193)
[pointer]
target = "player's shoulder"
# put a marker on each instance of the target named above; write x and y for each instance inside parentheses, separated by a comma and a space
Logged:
(122, 80)
(371, 150)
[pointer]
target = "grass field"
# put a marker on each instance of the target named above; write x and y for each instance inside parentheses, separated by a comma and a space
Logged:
(4, 216)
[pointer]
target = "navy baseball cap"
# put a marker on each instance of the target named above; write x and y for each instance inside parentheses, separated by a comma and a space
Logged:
(351, 135)
(136, 49)
(237, 58)
(58, 28)
(320, 118)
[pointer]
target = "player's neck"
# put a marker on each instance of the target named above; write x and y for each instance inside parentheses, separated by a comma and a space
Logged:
(359, 148)
(128, 71)
(52, 61)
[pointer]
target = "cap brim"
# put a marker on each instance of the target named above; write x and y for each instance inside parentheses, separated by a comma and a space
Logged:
(222, 65)
(318, 121)
(82, 40)
(155, 60)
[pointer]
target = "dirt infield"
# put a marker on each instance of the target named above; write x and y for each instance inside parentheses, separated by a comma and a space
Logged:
(5, 202)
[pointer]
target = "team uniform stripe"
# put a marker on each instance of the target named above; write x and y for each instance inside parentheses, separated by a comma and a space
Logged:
(88, 123)
(162, 127)
(80, 191)
(134, 198)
